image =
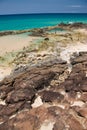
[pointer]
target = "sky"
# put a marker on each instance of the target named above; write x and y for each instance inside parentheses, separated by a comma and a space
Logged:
(42, 6)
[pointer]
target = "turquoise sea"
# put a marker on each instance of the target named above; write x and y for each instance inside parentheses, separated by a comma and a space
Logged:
(28, 21)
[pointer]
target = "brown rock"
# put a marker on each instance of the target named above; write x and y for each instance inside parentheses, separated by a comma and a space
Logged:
(23, 121)
(83, 112)
(4, 89)
(35, 79)
(50, 96)
(46, 39)
(55, 110)
(27, 120)
(84, 97)
(19, 91)
(59, 125)
(20, 95)
(73, 124)
(10, 109)
(84, 85)
(68, 85)
(79, 59)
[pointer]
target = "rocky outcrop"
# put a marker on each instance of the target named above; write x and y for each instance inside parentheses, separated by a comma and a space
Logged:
(62, 96)
(72, 25)
(4, 33)
(38, 32)
(34, 32)
(42, 31)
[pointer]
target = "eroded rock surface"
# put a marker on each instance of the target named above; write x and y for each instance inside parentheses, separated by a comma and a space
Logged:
(64, 99)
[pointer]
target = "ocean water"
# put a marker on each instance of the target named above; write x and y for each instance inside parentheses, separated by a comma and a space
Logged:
(29, 21)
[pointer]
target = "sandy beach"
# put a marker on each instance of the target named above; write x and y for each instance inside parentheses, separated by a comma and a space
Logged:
(14, 43)
(4, 71)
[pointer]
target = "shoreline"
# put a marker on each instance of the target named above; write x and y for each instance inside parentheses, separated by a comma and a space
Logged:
(9, 46)
(12, 45)
(66, 26)
(44, 86)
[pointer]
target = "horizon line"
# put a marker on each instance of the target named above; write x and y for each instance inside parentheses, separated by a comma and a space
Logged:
(44, 13)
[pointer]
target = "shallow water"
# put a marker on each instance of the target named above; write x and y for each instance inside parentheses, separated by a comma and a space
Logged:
(29, 21)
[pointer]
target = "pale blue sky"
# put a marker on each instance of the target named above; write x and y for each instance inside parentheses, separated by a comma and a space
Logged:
(42, 6)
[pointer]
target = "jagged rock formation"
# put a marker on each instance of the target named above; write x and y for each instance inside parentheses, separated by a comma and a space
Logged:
(62, 97)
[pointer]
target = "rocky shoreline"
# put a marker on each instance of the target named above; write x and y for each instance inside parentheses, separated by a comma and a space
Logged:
(42, 31)
(47, 90)
(62, 96)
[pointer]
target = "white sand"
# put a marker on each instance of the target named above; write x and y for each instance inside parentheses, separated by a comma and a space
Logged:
(70, 49)
(14, 42)
(4, 71)
(84, 31)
